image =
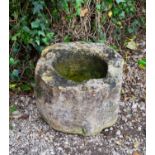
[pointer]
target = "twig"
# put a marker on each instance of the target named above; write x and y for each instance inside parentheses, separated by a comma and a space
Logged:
(12, 20)
(49, 13)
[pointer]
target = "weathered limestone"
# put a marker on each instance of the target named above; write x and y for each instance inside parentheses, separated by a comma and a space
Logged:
(78, 87)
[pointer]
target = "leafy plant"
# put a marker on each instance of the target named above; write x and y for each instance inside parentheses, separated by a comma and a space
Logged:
(29, 33)
(35, 24)
(142, 63)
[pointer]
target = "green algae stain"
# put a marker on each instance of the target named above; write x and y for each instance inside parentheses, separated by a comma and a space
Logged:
(79, 68)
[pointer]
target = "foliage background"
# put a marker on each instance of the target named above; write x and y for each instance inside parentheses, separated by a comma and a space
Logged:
(35, 24)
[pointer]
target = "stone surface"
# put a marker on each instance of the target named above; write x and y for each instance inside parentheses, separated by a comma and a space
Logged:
(77, 98)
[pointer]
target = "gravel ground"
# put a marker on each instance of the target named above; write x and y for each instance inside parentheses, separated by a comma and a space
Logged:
(30, 135)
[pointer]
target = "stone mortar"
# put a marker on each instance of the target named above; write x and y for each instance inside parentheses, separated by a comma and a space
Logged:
(78, 87)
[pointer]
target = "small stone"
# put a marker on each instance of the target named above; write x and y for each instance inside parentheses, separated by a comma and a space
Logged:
(129, 116)
(106, 130)
(22, 98)
(16, 102)
(134, 106)
(13, 125)
(121, 127)
(124, 119)
(139, 128)
(111, 128)
(120, 136)
(16, 114)
(118, 132)
(118, 142)
(99, 149)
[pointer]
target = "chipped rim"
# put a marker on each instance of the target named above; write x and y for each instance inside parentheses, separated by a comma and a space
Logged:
(111, 57)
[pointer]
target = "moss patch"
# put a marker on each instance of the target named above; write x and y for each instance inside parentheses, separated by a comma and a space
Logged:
(80, 67)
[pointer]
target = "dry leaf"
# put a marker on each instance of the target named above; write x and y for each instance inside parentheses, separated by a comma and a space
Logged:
(132, 45)
(83, 12)
(136, 153)
(24, 116)
(110, 13)
(136, 145)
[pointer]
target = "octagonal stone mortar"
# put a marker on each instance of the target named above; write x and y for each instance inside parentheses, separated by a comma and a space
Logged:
(78, 87)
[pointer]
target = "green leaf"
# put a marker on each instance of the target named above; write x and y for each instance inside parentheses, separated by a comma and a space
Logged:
(122, 15)
(130, 30)
(79, 2)
(67, 38)
(14, 37)
(65, 6)
(26, 29)
(142, 63)
(11, 61)
(37, 41)
(78, 6)
(38, 7)
(98, 7)
(38, 48)
(41, 33)
(15, 74)
(26, 87)
(50, 35)
(106, 5)
(35, 24)
(45, 41)
(43, 26)
(119, 1)
(12, 86)
(16, 48)
(12, 108)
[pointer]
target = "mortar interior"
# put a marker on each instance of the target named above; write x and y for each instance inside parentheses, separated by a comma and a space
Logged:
(79, 67)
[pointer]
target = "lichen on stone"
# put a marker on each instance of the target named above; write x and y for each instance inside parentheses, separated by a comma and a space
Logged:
(79, 67)
(78, 87)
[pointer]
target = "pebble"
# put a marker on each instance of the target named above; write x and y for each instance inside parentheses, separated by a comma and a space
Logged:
(106, 130)
(111, 128)
(16, 114)
(118, 132)
(134, 106)
(124, 119)
(139, 128)
(118, 142)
